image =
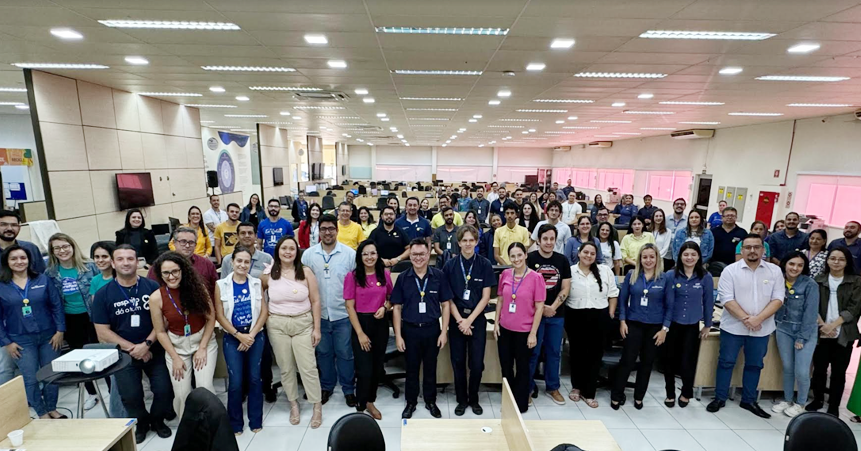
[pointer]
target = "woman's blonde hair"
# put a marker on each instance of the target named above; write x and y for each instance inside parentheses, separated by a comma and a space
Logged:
(659, 263)
(77, 258)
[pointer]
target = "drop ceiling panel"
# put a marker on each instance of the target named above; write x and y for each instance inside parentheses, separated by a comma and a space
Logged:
(560, 26)
(445, 8)
(788, 10)
(604, 9)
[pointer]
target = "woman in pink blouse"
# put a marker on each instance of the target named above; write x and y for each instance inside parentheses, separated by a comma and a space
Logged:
(366, 292)
(518, 315)
(294, 325)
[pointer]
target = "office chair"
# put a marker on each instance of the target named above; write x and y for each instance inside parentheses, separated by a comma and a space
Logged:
(338, 187)
(328, 203)
(204, 425)
(313, 194)
(404, 194)
(806, 432)
(282, 200)
(583, 206)
(363, 190)
(356, 432)
(381, 203)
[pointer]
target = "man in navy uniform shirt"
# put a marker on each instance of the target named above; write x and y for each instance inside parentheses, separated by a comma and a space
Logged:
(421, 297)
(787, 240)
(470, 277)
(412, 224)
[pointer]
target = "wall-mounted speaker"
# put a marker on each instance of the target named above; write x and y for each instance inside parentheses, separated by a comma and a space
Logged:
(211, 179)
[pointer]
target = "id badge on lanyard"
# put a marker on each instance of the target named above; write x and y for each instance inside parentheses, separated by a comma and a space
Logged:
(423, 307)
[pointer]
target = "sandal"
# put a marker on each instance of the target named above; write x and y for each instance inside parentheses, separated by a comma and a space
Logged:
(671, 402)
(294, 414)
(256, 430)
(574, 395)
(591, 403)
(373, 412)
(855, 419)
(317, 417)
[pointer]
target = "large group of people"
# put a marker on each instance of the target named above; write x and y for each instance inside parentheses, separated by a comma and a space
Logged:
(320, 298)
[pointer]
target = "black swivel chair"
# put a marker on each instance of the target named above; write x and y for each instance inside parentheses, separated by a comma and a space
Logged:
(356, 432)
(204, 425)
(328, 203)
(282, 200)
(807, 431)
(313, 194)
(381, 203)
(363, 190)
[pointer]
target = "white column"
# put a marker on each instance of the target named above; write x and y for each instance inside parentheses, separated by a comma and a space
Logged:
(495, 163)
(373, 162)
(433, 160)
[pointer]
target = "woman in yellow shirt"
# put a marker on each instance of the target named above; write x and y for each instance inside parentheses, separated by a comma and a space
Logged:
(633, 241)
(195, 221)
(366, 220)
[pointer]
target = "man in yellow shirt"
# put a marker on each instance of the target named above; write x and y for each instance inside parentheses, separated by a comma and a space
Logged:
(226, 235)
(438, 220)
(349, 233)
(509, 233)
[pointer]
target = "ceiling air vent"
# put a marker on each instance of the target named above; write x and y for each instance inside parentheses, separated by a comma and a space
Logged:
(601, 144)
(693, 134)
(321, 96)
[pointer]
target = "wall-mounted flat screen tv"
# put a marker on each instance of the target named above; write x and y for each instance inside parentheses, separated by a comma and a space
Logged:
(134, 190)
(277, 176)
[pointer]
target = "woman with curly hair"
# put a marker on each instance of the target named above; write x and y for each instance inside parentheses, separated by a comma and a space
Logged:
(183, 318)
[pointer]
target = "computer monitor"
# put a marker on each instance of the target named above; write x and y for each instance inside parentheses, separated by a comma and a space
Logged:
(310, 188)
(355, 192)
(384, 192)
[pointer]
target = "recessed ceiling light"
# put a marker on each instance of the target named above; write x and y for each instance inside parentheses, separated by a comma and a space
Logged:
(137, 60)
(494, 102)
(649, 112)
(552, 132)
(22, 107)
(13, 89)
(572, 118)
(803, 48)
(541, 111)
(169, 94)
(744, 113)
(721, 35)
(562, 43)
(361, 91)
(205, 122)
(431, 109)
(618, 75)
(473, 120)
(532, 130)
(428, 119)
(59, 66)
(400, 136)
(525, 132)
(611, 122)
(534, 67)
(645, 95)
(451, 30)
(580, 128)
(337, 64)
(245, 115)
(385, 119)
(216, 89)
(800, 78)
(477, 116)
(381, 115)
(446, 143)
(675, 102)
(242, 98)
(820, 105)
(730, 70)
(368, 100)
(518, 120)
(284, 88)
(441, 99)
(248, 69)
(208, 105)
(316, 107)
(560, 122)
(563, 101)
(657, 128)
(618, 104)
(700, 123)
(316, 39)
(504, 93)
(170, 24)
(67, 34)
(435, 72)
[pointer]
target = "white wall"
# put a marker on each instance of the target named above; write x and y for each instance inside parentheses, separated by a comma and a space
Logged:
(404, 156)
(16, 132)
(276, 151)
(360, 164)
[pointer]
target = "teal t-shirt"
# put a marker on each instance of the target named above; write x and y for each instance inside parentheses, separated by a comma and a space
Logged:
(97, 283)
(73, 302)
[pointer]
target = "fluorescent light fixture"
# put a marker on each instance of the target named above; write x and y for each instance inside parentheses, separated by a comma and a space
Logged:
(494, 102)
(572, 118)
(248, 69)
(205, 122)
(67, 34)
(22, 107)
(242, 98)
(611, 122)
(274, 123)
(361, 91)
(678, 102)
(800, 78)
(619, 75)
(560, 122)
(820, 105)
(368, 100)
(400, 136)
(481, 145)
(316, 39)
(245, 115)
(618, 104)
(431, 109)
(649, 112)
(360, 140)
(451, 30)
(541, 111)
(317, 107)
(719, 35)
(385, 119)
(645, 95)
(730, 70)
(477, 116)
(170, 24)
(435, 72)
(336, 117)
(504, 93)
(438, 99)
(579, 128)
(532, 130)
(337, 64)
(381, 115)
(534, 67)
(296, 118)
(137, 60)
(562, 43)
(169, 94)
(284, 88)
(216, 89)
(446, 143)
(525, 132)
(563, 101)
(518, 120)
(744, 113)
(505, 126)
(59, 66)
(700, 123)
(803, 48)
(208, 105)
(473, 120)
(658, 128)
(428, 119)
(560, 133)
(223, 126)
(13, 89)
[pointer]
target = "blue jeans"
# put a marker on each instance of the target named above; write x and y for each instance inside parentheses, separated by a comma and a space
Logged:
(37, 353)
(7, 367)
(754, 352)
(335, 356)
(550, 340)
(238, 364)
(796, 367)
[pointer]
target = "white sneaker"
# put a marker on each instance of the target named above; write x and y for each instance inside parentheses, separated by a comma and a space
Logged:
(780, 408)
(91, 402)
(794, 411)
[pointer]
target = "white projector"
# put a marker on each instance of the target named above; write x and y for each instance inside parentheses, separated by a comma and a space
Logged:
(71, 362)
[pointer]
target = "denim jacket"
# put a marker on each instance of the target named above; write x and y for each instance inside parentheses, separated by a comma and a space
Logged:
(84, 279)
(707, 243)
(797, 316)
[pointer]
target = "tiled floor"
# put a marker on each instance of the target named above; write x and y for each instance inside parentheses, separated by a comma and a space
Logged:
(653, 428)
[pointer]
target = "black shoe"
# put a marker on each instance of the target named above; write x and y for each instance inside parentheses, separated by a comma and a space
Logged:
(835, 412)
(325, 394)
(683, 404)
(715, 405)
(140, 435)
(161, 430)
(815, 405)
(170, 415)
(476, 409)
(638, 405)
(534, 392)
(351, 400)
(460, 410)
(672, 403)
(270, 395)
(615, 405)
(408, 411)
(755, 409)
(433, 409)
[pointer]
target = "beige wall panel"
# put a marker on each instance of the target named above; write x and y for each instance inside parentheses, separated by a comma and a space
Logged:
(170, 115)
(84, 230)
(174, 149)
(186, 184)
(155, 154)
(104, 185)
(56, 98)
(180, 209)
(237, 197)
(149, 110)
(194, 153)
(72, 192)
(158, 214)
(190, 121)
(126, 110)
(103, 148)
(161, 187)
(97, 105)
(109, 223)
(267, 177)
(131, 150)
(64, 147)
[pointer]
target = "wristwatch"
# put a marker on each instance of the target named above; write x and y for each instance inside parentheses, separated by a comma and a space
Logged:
(148, 343)
(665, 329)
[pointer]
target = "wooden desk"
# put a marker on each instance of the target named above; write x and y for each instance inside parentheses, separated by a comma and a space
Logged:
(492, 373)
(770, 378)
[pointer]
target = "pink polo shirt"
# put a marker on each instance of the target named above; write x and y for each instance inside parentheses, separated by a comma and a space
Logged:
(370, 298)
(530, 292)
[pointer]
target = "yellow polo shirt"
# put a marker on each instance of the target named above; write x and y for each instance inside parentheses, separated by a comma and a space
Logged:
(350, 235)
(504, 236)
(438, 220)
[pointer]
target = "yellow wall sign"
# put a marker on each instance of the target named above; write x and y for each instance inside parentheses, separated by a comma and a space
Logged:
(16, 157)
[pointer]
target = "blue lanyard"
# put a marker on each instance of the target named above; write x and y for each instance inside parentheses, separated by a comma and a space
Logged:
(326, 260)
(184, 315)
(647, 284)
(466, 275)
(25, 293)
(514, 287)
(422, 287)
(126, 294)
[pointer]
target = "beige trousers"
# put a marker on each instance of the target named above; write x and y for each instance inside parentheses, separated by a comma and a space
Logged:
(186, 347)
(290, 337)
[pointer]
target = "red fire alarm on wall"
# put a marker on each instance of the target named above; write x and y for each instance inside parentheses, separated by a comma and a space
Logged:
(777, 173)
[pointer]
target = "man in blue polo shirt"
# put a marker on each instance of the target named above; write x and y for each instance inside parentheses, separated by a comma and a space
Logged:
(787, 240)
(272, 228)
(850, 241)
(412, 224)
(421, 297)
(480, 205)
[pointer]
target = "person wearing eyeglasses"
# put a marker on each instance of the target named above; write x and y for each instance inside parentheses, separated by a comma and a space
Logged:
(203, 246)
(183, 318)
(185, 243)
